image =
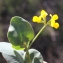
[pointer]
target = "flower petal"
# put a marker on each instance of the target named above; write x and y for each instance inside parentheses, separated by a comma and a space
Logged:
(55, 17)
(56, 25)
(52, 22)
(36, 19)
(43, 13)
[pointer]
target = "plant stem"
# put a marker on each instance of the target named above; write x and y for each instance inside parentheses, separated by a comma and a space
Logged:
(27, 53)
(38, 34)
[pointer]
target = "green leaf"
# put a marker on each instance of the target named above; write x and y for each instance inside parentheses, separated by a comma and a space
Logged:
(35, 56)
(19, 57)
(20, 31)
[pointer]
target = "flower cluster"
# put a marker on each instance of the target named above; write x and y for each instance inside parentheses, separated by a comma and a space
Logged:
(43, 16)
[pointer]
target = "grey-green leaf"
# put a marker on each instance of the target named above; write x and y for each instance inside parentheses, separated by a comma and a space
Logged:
(19, 57)
(8, 53)
(35, 56)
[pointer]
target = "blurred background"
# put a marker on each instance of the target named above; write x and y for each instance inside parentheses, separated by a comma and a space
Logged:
(50, 42)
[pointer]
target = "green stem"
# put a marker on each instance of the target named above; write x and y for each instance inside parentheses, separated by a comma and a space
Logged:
(27, 53)
(38, 34)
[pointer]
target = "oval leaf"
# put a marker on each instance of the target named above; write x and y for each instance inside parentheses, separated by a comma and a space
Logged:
(20, 31)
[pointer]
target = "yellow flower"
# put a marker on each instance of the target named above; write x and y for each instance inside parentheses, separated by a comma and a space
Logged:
(36, 19)
(53, 23)
(43, 14)
(54, 17)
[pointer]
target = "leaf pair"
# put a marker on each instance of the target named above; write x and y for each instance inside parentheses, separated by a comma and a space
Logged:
(35, 56)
